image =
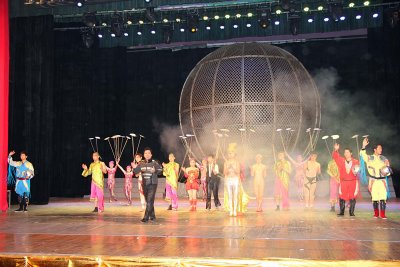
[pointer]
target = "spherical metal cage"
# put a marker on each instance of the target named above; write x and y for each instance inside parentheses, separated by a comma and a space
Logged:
(244, 93)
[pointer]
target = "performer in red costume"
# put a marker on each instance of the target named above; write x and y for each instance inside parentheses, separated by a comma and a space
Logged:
(349, 184)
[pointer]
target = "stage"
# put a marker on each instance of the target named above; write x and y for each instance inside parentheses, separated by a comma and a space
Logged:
(67, 233)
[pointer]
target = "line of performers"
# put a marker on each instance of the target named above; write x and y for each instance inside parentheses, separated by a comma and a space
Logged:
(344, 170)
(345, 173)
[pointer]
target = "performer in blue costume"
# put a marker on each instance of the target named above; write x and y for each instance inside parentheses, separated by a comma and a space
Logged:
(24, 172)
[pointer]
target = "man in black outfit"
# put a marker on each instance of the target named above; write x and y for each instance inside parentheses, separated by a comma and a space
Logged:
(212, 179)
(150, 170)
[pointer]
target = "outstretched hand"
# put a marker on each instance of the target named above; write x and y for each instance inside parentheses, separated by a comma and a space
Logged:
(84, 166)
(336, 146)
(11, 153)
(365, 142)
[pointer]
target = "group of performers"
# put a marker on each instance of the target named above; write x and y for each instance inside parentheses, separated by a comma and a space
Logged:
(346, 174)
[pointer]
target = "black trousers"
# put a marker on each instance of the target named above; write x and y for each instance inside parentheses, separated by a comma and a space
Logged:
(149, 191)
(212, 189)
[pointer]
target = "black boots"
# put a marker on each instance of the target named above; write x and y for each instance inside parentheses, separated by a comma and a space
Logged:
(352, 206)
(23, 203)
(169, 207)
(20, 204)
(342, 206)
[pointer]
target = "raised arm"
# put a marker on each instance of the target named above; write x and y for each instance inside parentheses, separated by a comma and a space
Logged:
(122, 169)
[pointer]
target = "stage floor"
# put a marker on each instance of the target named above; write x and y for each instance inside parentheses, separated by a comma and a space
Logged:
(66, 232)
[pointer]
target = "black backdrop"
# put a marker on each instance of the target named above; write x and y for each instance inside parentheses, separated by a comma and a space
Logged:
(62, 93)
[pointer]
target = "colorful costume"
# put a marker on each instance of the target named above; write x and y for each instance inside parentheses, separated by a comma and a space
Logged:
(234, 184)
(333, 172)
(171, 183)
(96, 193)
(192, 175)
(111, 181)
(258, 172)
(24, 172)
(299, 178)
(128, 186)
(203, 181)
(282, 171)
(349, 187)
(377, 183)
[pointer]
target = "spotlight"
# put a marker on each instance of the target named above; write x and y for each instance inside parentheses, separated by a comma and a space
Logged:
(126, 34)
(306, 8)
(89, 19)
(182, 29)
(153, 31)
(150, 14)
(178, 20)
(249, 14)
(235, 24)
(216, 17)
(139, 32)
(358, 16)
(310, 20)
(165, 20)
(79, 3)
(238, 16)
(141, 21)
(375, 15)
(227, 16)
(112, 34)
(264, 18)
(248, 24)
(100, 35)
(276, 22)
(129, 22)
(205, 18)
(147, 1)
(222, 26)
(326, 19)
(320, 7)
(277, 10)
(193, 22)
(351, 4)
(342, 18)
(104, 24)
(208, 27)
(366, 3)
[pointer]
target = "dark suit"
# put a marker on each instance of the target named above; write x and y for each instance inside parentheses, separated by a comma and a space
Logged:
(212, 186)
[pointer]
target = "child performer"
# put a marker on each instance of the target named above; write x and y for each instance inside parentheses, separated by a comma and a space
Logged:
(97, 169)
(192, 184)
(171, 172)
(128, 182)
(111, 170)
(137, 159)
(259, 172)
(282, 170)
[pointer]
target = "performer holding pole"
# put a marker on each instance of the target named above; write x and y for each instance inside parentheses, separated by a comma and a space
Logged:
(282, 169)
(192, 183)
(212, 180)
(97, 169)
(232, 179)
(171, 172)
(378, 167)
(111, 170)
(259, 172)
(349, 185)
(150, 170)
(24, 173)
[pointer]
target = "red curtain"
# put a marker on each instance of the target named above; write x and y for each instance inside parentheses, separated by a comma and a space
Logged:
(4, 61)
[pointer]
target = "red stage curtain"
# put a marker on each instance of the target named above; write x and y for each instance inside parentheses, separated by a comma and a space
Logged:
(4, 61)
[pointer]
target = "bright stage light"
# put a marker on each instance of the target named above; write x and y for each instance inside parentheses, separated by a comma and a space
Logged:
(182, 29)
(208, 27)
(375, 15)
(165, 20)
(351, 4)
(178, 20)
(320, 8)
(358, 17)
(227, 16)
(326, 19)
(276, 22)
(113, 35)
(216, 17)
(342, 18)
(249, 14)
(248, 25)
(366, 3)
(126, 34)
(141, 21)
(238, 15)
(99, 35)
(235, 26)
(139, 33)
(306, 8)
(310, 20)
(205, 18)
(79, 3)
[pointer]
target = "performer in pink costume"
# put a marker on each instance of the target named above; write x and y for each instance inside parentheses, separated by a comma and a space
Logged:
(111, 170)
(128, 182)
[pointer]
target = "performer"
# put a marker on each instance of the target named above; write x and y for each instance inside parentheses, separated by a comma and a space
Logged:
(192, 183)
(136, 160)
(171, 173)
(212, 181)
(300, 174)
(111, 170)
(203, 178)
(378, 185)
(334, 175)
(24, 173)
(150, 170)
(282, 169)
(232, 170)
(128, 182)
(259, 172)
(97, 169)
(349, 186)
(312, 169)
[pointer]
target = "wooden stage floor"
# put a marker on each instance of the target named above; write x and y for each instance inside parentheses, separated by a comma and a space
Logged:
(67, 233)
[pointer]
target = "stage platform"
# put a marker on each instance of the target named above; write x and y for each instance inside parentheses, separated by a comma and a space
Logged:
(67, 233)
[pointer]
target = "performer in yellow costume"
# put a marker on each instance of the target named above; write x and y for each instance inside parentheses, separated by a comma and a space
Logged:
(282, 169)
(376, 165)
(170, 171)
(333, 172)
(97, 169)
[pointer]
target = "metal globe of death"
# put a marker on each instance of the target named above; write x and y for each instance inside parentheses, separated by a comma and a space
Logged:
(257, 95)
